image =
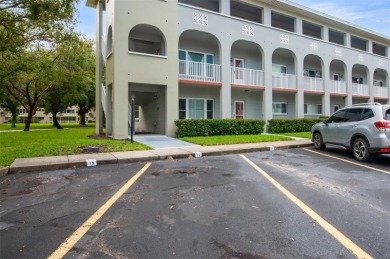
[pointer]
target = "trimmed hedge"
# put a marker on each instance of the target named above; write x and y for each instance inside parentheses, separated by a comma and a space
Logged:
(215, 127)
(291, 125)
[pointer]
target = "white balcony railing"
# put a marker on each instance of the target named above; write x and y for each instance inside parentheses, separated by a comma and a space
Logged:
(380, 91)
(198, 71)
(360, 89)
(244, 76)
(313, 84)
(286, 81)
(338, 87)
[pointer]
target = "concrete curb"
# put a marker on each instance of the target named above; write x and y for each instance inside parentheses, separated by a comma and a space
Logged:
(24, 165)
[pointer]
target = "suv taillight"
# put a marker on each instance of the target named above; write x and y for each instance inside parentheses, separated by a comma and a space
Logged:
(382, 125)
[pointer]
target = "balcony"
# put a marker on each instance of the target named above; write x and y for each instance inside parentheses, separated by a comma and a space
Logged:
(313, 84)
(284, 81)
(360, 89)
(245, 76)
(381, 92)
(338, 87)
(199, 71)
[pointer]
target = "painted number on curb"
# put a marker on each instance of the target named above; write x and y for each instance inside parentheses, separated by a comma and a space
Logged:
(91, 162)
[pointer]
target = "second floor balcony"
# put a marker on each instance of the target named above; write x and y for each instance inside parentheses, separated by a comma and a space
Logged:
(360, 89)
(199, 71)
(381, 92)
(245, 76)
(284, 81)
(338, 87)
(313, 84)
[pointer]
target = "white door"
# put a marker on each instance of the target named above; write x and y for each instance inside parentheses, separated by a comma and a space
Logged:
(239, 64)
(239, 110)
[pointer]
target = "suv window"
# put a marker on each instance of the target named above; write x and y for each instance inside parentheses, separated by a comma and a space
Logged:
(368, 113)
(354, 115)
(339, 116)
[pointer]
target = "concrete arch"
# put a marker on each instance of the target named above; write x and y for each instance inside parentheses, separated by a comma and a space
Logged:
(313, 62)
(360, 74)
(248, 47)
(286, 57)
(147, 39)
(381, 74)
(201, 41)
(339, 68)
(109, 40)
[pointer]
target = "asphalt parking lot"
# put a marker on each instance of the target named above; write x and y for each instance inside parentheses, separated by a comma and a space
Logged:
(296, 203)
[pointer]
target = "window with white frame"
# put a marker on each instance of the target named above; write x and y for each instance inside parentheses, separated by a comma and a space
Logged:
(313, 108)
(136, 112)
(22, 110)
(277, 68)
(279, 108)
(195, 108)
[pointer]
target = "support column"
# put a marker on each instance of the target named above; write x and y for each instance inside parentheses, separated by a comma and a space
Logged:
(267, 17)
(300, 95)
(226, 88)
(326, 97)
(267, 96)
(325, 34)
(348, 81)
(298, 26)
(224, 7)
(99, 68)
(120, 108)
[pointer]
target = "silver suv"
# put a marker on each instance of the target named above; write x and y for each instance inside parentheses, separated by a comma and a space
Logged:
(364, 128)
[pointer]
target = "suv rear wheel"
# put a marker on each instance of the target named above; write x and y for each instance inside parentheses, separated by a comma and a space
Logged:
(317, 140)
(360, 150)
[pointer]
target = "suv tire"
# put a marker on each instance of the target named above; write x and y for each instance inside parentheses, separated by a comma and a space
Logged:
(360, 150)
(317, 140)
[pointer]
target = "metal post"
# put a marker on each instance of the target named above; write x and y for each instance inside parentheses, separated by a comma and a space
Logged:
(132, 117)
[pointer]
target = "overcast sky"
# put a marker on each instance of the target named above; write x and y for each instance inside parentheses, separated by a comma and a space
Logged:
(371, 14)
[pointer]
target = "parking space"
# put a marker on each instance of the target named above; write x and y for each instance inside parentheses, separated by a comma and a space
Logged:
(210, 207)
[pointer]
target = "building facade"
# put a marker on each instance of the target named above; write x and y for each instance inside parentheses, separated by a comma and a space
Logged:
(243, 59)
(70, 115)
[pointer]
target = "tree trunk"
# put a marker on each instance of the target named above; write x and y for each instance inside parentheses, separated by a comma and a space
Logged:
(28, 121)
(14, 118)
(55, 122)
(82, 119)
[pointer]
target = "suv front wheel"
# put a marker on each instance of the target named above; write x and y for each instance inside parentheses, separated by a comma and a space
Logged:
(318, 142)
(360, 150)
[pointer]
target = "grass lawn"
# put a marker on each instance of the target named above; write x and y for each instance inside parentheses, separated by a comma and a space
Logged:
(20, 126)
(299, 134)
(56, 142)
(233, 139)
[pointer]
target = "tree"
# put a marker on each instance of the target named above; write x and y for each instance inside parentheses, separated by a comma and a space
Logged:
(74, 79)
(23, 22)
(9, 104)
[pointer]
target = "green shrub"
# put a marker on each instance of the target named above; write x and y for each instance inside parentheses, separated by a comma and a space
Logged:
(291, 125)
(216, 127)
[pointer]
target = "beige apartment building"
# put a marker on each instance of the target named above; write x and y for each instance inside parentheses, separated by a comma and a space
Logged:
(242, 59)
(68, 116)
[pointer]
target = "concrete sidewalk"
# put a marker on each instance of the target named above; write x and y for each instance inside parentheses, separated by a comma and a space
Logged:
(24, 165)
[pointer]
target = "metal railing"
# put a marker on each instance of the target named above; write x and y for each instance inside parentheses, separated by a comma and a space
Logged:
(198, 71)
(380, 91)
(313, 84)
(287, 81)
(338, 87)
(360, 89)
(245, 76)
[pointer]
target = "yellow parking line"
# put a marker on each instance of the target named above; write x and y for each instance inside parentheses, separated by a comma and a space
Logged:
(345, 241)
(64, 248)
(344, 160)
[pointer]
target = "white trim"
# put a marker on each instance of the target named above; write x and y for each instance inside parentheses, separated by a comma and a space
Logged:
(282, 108)
(148, 55)
(204, 106)
(243, 108)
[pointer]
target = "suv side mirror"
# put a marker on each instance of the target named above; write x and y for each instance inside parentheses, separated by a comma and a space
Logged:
(325, 122)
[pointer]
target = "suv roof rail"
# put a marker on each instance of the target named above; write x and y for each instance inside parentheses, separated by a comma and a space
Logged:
(362, 104)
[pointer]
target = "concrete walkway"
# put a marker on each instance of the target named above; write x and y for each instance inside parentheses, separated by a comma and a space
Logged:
(156, 141)
(24, 165)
